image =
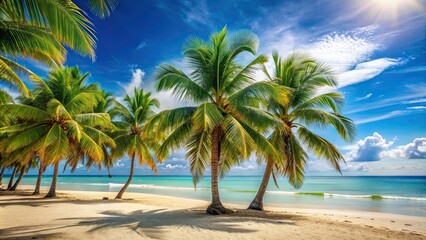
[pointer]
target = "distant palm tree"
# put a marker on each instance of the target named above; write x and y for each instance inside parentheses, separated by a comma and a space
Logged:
(106, 106)
(225, 126)
(306, 108)
(132, 137)
(40, 30)
(23, 170)
(59, 125)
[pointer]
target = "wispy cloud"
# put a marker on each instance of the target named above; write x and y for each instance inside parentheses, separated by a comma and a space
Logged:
(364, 97)
(193, 12)
(413, 91)
(392, 114)
(365, 71)
(342, 51)
(421, 100)
(410, 69)
(141, 45)
(417, 107)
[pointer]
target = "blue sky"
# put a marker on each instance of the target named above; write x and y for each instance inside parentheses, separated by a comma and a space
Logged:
(376, 47)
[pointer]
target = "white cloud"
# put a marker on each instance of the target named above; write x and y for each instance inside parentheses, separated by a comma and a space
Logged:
(364, 97)
(193, 12)
(342, 51)
(166, 98)
(135, 82)
(421, 100)
(369, 149)
(365, 71)
(174, 166)
(141, 45)
(414, 92)
(417, 107)
(246, 167)
(318, 166)
(375, 147)
(119, 164)
(393, 114)
(360, 167)
(413, 150)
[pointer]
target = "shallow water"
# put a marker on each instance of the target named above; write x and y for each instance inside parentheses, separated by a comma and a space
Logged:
(401, 195)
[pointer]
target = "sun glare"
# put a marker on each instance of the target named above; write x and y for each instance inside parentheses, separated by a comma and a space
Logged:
(391, 10)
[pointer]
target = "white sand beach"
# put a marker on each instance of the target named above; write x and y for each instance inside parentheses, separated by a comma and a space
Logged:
(84, 215)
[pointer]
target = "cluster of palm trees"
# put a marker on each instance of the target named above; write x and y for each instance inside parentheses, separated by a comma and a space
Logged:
(231, 114)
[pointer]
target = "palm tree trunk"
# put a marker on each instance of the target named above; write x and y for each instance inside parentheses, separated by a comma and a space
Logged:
(12, 177)
(216, 207)
(257, 203)
(109, 174)
(21, 175)
(123, 189)
(40, 175)
(52, 190)
(1, 175)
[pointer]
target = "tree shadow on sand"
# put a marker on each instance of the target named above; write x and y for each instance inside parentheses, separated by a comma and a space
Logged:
(151, 223)
(155, 223)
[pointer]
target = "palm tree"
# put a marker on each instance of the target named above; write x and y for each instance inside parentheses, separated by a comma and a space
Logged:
(23, 170)
(59, 124)
(40, 30)
(226, 125)
(41, 169)
(12, 176)
(5, 98)
(132, 137)
(105, 106)
(306, 108)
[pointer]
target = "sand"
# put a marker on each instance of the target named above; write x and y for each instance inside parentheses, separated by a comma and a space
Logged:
(83, 215)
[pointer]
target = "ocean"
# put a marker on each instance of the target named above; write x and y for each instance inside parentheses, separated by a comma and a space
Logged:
(394, 194)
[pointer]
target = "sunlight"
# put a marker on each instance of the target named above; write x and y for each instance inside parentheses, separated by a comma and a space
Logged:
(391, 10)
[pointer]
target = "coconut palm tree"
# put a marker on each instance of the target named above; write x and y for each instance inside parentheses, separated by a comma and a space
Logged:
(5, 98)
(105, 106)
(306, 108)
(12, 176)
(23, 170)
(132, 137)
(41, 168)
(40, 30)
(59, 125)
(225, 125)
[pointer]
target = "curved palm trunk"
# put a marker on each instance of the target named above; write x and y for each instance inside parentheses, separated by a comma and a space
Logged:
(21, 175)
(123, 189)
(1, 175)
(109, 173)
(216, 207)
(12, 177)
(52, 190)
(257, 203)
(39, 176)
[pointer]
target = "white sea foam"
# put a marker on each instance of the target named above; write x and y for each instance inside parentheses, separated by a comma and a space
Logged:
(118, 185)
(332, 195)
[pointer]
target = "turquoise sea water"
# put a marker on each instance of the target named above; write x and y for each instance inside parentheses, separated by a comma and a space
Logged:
(401, 195)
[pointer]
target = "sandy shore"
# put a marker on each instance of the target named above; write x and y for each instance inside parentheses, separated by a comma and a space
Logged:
(83, 215)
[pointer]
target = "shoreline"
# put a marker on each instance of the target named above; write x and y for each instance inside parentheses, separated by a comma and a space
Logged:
(309, 204)
(84, 207)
